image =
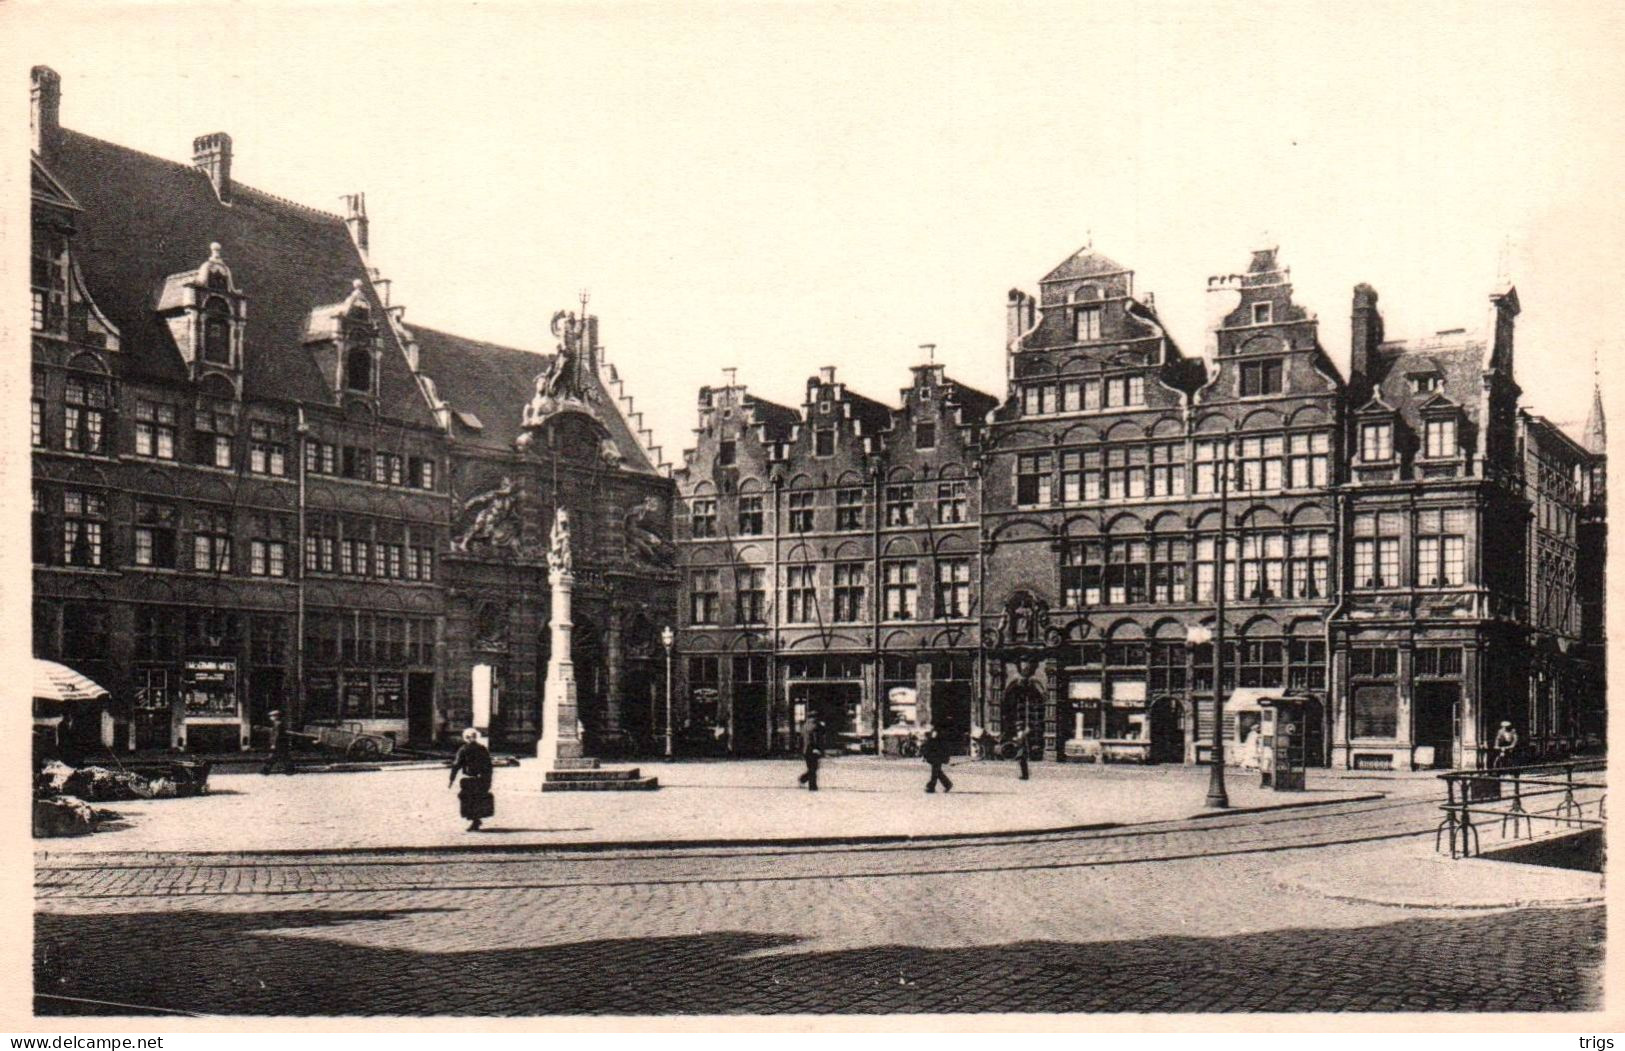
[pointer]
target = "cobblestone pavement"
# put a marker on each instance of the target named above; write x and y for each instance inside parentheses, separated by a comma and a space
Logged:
(1185, 916)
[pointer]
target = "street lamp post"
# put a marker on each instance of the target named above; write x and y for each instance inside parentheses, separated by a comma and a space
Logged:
(1216, 794)
(666, 639)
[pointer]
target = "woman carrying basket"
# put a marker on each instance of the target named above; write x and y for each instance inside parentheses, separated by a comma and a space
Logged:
(474, 796)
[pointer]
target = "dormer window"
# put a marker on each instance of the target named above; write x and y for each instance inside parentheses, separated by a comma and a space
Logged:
(1087, 324)
(1440, 439)
(216, 331)
(1376, 442)
(1425, 382)
(358, 370)
(1262, 314)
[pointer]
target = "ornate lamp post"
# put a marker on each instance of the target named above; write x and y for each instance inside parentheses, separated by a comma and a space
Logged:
(1216, 794)
(666, 639)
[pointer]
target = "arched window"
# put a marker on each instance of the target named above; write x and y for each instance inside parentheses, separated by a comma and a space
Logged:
(217, 333)
(358, 369)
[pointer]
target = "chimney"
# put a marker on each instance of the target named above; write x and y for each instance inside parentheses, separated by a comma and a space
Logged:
(45, 111)
(826, 374)
(211, 154)
(1365, 333)
(355, 215)
(1018, 316)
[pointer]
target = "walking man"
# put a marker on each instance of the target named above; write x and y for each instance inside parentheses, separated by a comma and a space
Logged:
(809, 751)
(1020, 741)
(935, 752)
(281, 748)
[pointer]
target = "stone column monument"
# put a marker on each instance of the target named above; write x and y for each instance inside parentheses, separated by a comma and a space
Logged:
(560, 745)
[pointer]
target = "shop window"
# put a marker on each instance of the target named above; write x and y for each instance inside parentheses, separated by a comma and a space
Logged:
(850, 580)
(1376, 711)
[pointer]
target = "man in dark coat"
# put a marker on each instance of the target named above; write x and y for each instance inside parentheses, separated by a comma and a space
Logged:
(935, 752)
(810, 752)
(281, 747)
(1020, 741)
(474, 796)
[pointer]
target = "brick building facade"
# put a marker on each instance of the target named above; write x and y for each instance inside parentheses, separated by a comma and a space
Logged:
(251, 492)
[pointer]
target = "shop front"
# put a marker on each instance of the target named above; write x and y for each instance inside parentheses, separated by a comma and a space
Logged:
(831, 687)
(212, 717)
(1109, 721)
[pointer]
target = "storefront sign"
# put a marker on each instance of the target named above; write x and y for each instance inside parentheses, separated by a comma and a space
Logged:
(389, 697)
(1129, 693)
(902, 702)
(1083, 690)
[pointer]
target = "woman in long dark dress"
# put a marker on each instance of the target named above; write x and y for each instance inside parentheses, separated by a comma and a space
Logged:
(474, 796)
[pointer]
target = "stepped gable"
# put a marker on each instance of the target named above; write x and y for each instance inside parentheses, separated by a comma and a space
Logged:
(145, 218)
(489, 384)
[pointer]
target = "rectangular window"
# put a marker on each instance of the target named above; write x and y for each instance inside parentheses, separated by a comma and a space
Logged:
(899, 505)
(155, 534)
(1208, 461)
(267, 449)
(267, 558)
(750, 516)
(155, 429)
(1260, 378)
(1038, 399)
(1086, 327)
(1377, 442)
(951, 502)
(1167, 470)
(848, 509)
(83, 527)
(850, 578)
(420, 472)
(925, 434)
(1441, 439)
(1309, 462)
(1071, 395)
(727, 452)
(85, 415)
(901, 590)
(1082, 571)
(1374, 662)
(1376, 711)
(1263, 663)
(704, 519)
(426, 561)
(1033, 480)
(41, 524)
(1166, 667)
(1126, 571)
(36, 408)
(750, 596)
(1168, 570)
(1441, 548)
(1311, 565)
(800, 594)
(1307, 668)
(824, 441)
(214, 432)
(1124, 392)
(953, 587)
(1261, 313)
(211, 541)
(801, 512)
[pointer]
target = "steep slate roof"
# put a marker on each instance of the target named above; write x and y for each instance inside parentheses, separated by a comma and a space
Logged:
(494, 382)
(778, 418)
(975, 403)
(1457, 359)
(875, 416)
(145, 218)
(1085, 262)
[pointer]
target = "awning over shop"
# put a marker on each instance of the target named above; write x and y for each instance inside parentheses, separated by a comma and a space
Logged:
(1247, 697)
(60, 683)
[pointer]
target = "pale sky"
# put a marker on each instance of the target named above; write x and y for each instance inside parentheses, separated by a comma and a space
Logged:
(780, 187)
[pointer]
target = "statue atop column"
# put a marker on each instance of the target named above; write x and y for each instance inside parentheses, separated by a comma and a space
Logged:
(558, 552)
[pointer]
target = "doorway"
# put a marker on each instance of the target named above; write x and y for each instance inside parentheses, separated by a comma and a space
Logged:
(1436, 705)
(420, 707)
(950, 714)
(1023, 708)
(1167, 731)
(836, 704)
(750, 719)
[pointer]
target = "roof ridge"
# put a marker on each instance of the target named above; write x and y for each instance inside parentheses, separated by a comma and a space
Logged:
(236, 186)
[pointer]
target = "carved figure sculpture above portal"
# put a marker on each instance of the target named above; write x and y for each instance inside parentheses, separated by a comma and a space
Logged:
(643, 540)
(497, 523)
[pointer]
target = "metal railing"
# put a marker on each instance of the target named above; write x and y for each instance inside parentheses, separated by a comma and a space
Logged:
(1569, 795)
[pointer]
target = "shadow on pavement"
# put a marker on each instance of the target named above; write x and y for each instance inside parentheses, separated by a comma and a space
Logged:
(223, 963)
